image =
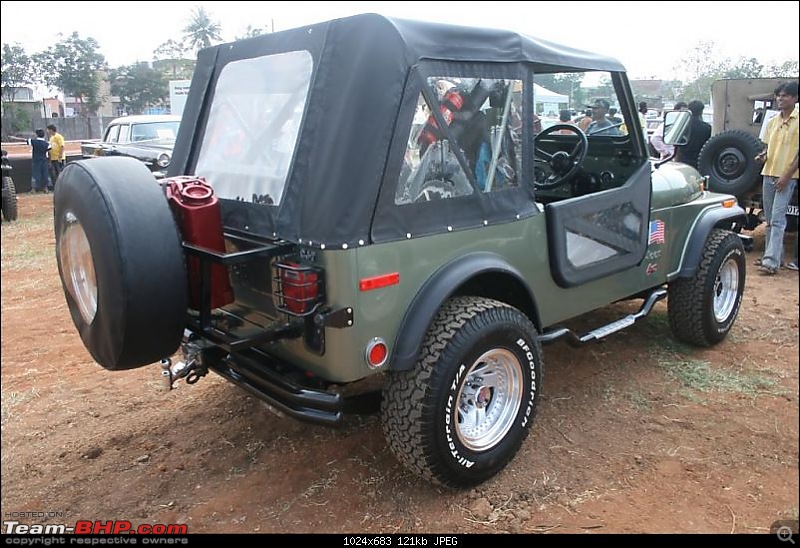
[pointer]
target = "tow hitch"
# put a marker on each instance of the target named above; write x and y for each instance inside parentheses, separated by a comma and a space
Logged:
(190, 368)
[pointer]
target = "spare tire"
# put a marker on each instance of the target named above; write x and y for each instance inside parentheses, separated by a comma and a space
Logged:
(728, 158)
(121, 261)
(9, 199)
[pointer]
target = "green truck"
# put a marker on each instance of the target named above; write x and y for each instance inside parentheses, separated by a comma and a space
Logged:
(390, 223)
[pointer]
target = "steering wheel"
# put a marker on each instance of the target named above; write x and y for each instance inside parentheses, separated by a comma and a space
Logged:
(562, 166)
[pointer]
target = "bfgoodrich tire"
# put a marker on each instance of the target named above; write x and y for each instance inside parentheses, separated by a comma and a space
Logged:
(120, 260)
(702, 308)
(460, 415)
(728, 159)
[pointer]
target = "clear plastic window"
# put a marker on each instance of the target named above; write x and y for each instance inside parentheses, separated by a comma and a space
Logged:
(253, 125)
(483, 116)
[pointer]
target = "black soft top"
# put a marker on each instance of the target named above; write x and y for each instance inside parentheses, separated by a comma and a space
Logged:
(360, 69)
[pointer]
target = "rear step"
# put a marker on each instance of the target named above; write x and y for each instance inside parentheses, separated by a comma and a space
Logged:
(597, 334)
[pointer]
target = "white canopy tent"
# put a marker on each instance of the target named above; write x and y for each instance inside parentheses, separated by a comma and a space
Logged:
(544, 95)
(548, 103)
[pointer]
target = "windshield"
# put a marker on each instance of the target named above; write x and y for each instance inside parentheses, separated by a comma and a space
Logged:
(253, 125)
(161, 131)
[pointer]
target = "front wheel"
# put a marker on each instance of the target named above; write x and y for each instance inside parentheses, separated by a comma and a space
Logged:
(702, 308)
(461, 414)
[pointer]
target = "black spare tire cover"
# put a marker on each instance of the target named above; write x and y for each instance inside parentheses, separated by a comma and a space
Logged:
(728, 159)
(137, 258)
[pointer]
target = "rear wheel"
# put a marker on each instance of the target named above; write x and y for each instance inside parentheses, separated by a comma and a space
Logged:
(702, 308)
(121, 261)
(462, 413)
(9, 199)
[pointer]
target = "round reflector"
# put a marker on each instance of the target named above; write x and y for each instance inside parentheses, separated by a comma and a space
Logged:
(377, 352)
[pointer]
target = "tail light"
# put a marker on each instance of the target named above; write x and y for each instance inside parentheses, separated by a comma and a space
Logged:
(299, 290)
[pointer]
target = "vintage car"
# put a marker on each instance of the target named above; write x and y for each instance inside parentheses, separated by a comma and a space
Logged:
(147, 138)
(361, 207)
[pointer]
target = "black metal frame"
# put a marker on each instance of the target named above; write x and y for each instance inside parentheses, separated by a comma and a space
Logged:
(282, 301)
(201, 324)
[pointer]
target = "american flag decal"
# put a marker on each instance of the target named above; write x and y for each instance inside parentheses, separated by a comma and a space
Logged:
(656, 232)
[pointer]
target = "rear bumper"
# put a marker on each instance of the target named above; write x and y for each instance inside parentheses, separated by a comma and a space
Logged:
(278, 385)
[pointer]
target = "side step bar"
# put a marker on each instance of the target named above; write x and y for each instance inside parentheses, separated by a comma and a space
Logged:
(597, 334)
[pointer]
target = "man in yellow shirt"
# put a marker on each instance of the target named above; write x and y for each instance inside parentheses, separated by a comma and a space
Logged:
(58, 155)
(780, 173)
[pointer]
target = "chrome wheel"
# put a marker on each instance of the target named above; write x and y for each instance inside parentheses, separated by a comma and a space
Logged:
(726, 289)
(489, 400)
(77, 267)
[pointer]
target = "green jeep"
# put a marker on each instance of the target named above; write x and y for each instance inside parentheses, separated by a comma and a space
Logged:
(391, 224)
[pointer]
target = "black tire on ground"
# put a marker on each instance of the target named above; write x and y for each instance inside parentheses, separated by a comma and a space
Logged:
(728, 158)
(134, 269)
(702, 308)
(9, 199)
(461, 414)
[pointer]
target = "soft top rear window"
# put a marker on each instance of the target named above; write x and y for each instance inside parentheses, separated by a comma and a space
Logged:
(253, 125)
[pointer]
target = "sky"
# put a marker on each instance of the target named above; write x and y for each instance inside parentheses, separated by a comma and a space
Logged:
(649, 38)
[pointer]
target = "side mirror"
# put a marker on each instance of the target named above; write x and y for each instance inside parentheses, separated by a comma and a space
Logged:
(676, 128)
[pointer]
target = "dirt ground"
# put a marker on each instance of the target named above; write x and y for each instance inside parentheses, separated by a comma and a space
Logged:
(637, 433)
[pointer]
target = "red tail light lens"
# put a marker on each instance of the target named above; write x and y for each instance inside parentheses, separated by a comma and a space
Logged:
(299, 289)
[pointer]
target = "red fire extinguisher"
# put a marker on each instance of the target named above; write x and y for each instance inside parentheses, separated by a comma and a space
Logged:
(197, 212)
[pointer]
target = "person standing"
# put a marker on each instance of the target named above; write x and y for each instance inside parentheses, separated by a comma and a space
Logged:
(699, 134)
(40, 182)
(564, 118)
(779, 173)
(600, 124)
(584, 121)
(58, 154)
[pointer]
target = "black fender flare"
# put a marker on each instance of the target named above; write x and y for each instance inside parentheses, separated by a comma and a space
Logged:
(696, 241)
(442, 285)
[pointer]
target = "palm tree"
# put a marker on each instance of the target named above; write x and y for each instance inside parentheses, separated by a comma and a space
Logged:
(201, 30)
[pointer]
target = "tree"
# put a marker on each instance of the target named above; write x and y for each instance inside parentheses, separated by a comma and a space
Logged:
(745, 68)
(72, 65)
(251, 32)
(17, 70)
(787, 69)
(201, 30)
(171, 59)
(138, 87)
(703, 64)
